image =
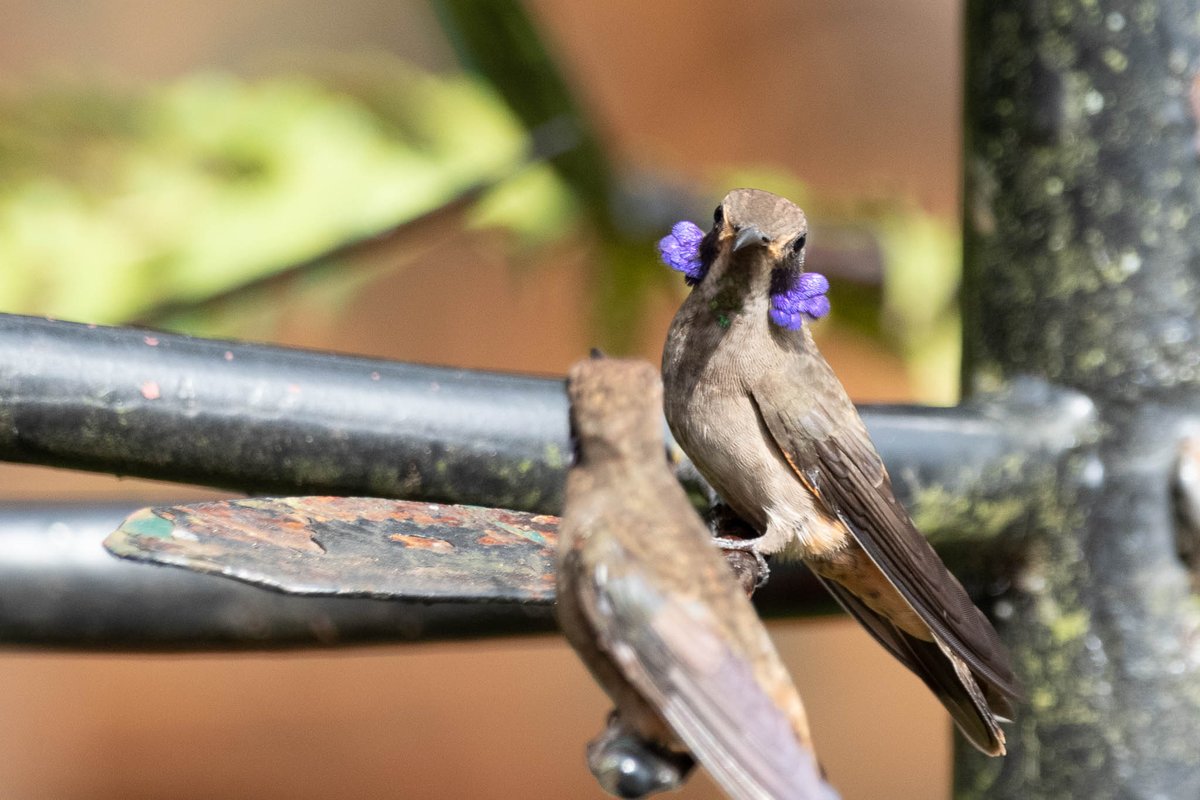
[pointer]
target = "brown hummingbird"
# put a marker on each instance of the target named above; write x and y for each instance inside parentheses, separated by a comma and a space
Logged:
(763, 418)
(654, 611)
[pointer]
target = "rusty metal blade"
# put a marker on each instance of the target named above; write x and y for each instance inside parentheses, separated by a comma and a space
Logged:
(354, 547)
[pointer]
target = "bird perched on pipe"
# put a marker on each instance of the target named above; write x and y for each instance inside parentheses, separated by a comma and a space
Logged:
(654, 611)
(763, 418)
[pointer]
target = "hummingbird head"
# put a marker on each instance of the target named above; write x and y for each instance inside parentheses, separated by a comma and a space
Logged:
(754, 226)
(616, 410)
(754, 251)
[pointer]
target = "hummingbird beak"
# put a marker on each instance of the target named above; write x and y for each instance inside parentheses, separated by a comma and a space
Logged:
(747, 236)
(573, 440)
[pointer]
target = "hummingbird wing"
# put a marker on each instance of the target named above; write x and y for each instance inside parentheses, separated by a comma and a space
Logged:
(829, 449)
(674, 650)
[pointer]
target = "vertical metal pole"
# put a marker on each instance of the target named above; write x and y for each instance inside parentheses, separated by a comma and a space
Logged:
(1082, 234)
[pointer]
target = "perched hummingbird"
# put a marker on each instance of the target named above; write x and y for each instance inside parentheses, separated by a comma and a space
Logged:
(654, 611)
(767, 423)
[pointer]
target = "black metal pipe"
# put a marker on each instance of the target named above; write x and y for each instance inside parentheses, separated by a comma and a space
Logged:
(272, 420)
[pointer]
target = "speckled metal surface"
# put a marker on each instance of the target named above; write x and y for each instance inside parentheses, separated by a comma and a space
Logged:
(1082, 243)
(276, 420)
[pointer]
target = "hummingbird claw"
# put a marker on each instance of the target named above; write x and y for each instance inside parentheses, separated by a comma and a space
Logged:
(738, 540)
(753, 576)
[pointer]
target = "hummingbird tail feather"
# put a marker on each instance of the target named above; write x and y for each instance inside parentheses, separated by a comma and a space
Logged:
(947, 676)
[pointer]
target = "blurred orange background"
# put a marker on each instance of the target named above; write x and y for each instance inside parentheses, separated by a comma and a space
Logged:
(853, 97)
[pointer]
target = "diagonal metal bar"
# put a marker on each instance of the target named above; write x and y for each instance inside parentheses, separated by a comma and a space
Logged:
(354, 547)
(60, 588)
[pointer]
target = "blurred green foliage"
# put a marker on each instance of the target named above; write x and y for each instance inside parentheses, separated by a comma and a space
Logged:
(121, 204)
(112, 201)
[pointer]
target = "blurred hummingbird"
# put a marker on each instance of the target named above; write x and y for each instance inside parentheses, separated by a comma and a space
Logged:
(654, 611)
(767, 423)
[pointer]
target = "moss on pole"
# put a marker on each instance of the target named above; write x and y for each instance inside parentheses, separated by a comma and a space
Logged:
(1082, 248)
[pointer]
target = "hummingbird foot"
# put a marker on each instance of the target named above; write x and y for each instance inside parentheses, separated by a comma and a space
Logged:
(739, 542)
(627, 766)
(748, 564)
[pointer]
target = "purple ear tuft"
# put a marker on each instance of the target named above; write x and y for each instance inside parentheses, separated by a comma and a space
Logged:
(791, 320)
(816, 307)
(680, 250)
(794, 296)
(810, 284)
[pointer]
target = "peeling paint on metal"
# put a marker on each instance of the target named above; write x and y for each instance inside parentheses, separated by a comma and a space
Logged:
(354, 546)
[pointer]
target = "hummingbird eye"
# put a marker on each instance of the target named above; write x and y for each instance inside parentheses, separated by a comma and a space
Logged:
(719, 215)
(798, 242)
